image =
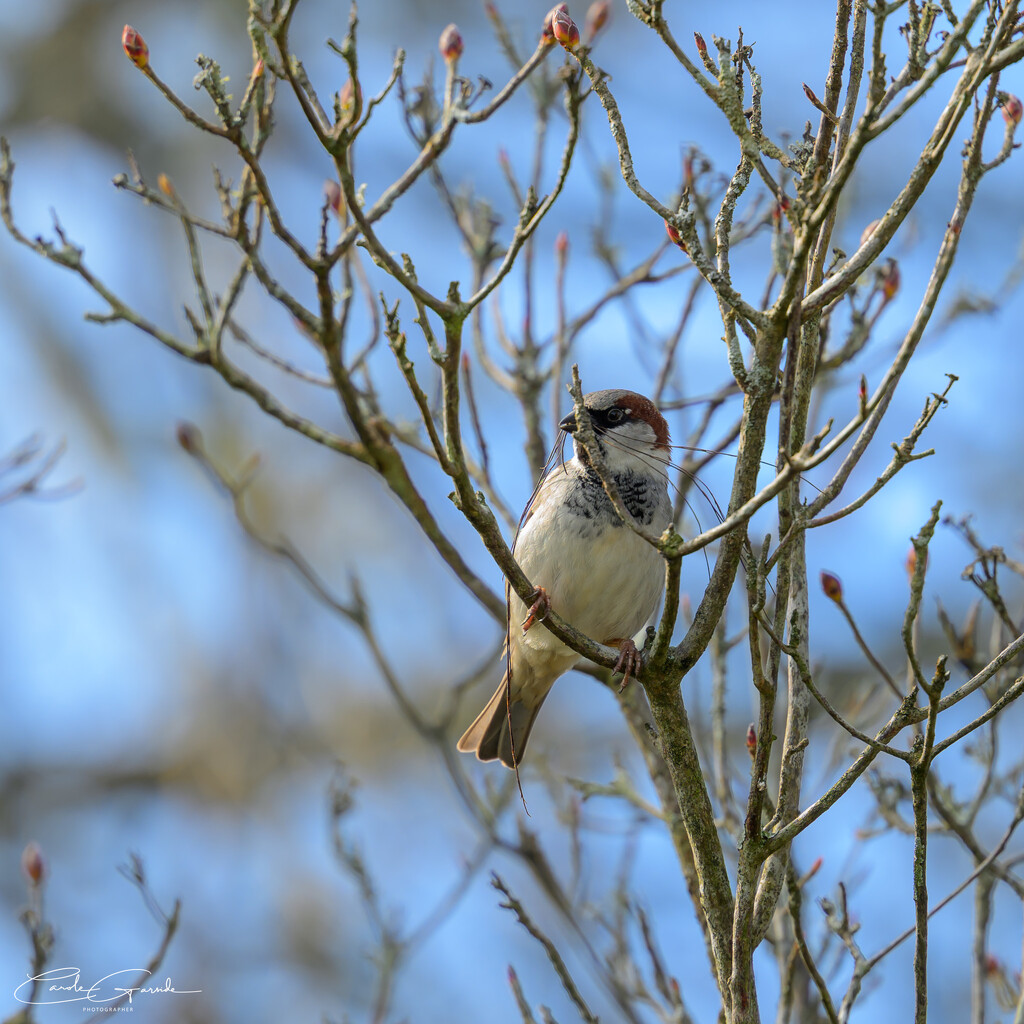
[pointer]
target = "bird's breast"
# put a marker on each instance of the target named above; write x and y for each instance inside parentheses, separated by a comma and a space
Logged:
(598, 573)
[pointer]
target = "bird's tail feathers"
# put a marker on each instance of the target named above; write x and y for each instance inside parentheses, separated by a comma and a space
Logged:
(490, 738)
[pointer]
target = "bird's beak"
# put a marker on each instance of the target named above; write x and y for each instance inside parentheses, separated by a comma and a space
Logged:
(568, 424)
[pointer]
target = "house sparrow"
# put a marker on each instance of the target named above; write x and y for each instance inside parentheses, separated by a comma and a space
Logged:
(596, 572)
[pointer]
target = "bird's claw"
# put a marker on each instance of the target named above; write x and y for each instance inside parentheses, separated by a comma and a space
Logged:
(538, 611)
(629, 664)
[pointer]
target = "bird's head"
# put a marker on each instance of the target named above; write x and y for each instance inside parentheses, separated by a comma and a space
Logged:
(632, 434)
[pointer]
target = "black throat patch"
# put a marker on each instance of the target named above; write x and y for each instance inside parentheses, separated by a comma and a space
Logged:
(640, 494)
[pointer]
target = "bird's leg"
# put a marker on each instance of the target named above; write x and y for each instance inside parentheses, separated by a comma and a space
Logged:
(538, 611)
(630, 661)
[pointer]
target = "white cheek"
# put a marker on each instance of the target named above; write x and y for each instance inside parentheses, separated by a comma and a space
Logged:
(631, 448)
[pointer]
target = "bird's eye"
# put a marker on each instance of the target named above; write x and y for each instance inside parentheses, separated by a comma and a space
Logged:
(616, 415)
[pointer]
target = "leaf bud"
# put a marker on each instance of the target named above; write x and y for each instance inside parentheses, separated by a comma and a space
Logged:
(350, 101)
(832, 587)
(332, 193)
(450, 44)
(596, 19)
(911, 563)
(674, 235)
(135, 47)
(188, 437)
(547, 33)
(867, 232)
(1013, 109)
(564, 28)
(889, 278)
(32, 863)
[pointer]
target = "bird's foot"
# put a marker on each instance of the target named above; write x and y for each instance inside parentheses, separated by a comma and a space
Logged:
(630, 662)
(538, 611)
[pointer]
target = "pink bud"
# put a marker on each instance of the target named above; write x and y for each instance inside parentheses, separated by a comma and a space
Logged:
(562, 243)
(332, 193)
(596, 19)
(135, 47)
(564, 28)
(911, 562)
(1013, 109)
(867, 232)
(832, 587)
(815, 868)
(702, 47)
(674, 235)
(350, 100)
(547, 33)
(751, 739)
(450, 44)
(32, 863)
(189, 437)
(889, 279)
